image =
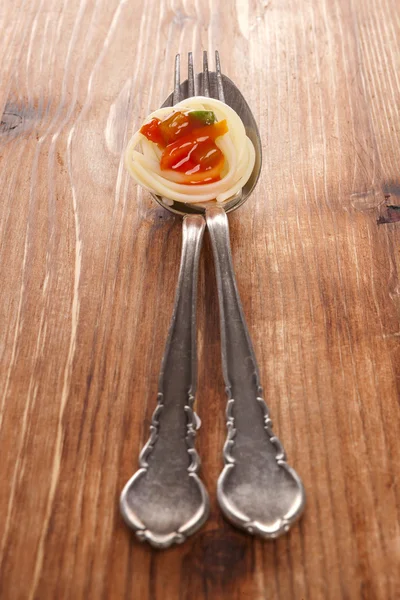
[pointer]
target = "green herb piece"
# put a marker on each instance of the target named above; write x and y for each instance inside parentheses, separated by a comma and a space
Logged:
(204, 117)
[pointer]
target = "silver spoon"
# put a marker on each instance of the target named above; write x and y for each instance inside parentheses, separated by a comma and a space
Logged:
(257, 490)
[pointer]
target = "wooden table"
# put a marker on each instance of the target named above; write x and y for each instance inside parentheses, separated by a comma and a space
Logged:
(89, 266)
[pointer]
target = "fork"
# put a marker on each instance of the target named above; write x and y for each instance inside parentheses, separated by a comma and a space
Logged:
(165, 500)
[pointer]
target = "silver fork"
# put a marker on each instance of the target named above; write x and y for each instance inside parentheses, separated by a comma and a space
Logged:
(165, 501)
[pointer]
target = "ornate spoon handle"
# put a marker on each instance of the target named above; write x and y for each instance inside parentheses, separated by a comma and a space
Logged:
(257, 490)
(165, 501)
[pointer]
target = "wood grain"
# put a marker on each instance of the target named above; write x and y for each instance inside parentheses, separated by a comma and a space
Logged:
(88, 270)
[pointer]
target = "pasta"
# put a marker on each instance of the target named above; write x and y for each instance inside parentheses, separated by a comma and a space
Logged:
(221, 171)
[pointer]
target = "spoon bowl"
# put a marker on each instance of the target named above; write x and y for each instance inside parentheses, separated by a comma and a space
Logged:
(234, 98)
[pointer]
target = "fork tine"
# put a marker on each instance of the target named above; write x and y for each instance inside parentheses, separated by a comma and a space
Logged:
(206, 80)
(190, 75)
(177, 79)
(220, 85)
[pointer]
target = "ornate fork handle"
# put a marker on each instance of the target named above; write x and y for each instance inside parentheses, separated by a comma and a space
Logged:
(165, 500)
(257, 490)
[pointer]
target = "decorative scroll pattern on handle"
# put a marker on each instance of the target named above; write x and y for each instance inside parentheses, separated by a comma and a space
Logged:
(165, 501)
(257, 490)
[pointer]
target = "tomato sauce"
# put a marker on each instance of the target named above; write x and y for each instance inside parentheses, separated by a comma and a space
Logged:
(187, 141)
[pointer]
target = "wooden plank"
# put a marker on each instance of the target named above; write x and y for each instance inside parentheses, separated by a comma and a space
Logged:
(89, 265)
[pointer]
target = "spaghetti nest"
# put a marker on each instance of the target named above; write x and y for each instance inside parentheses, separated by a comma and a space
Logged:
(142, 158)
